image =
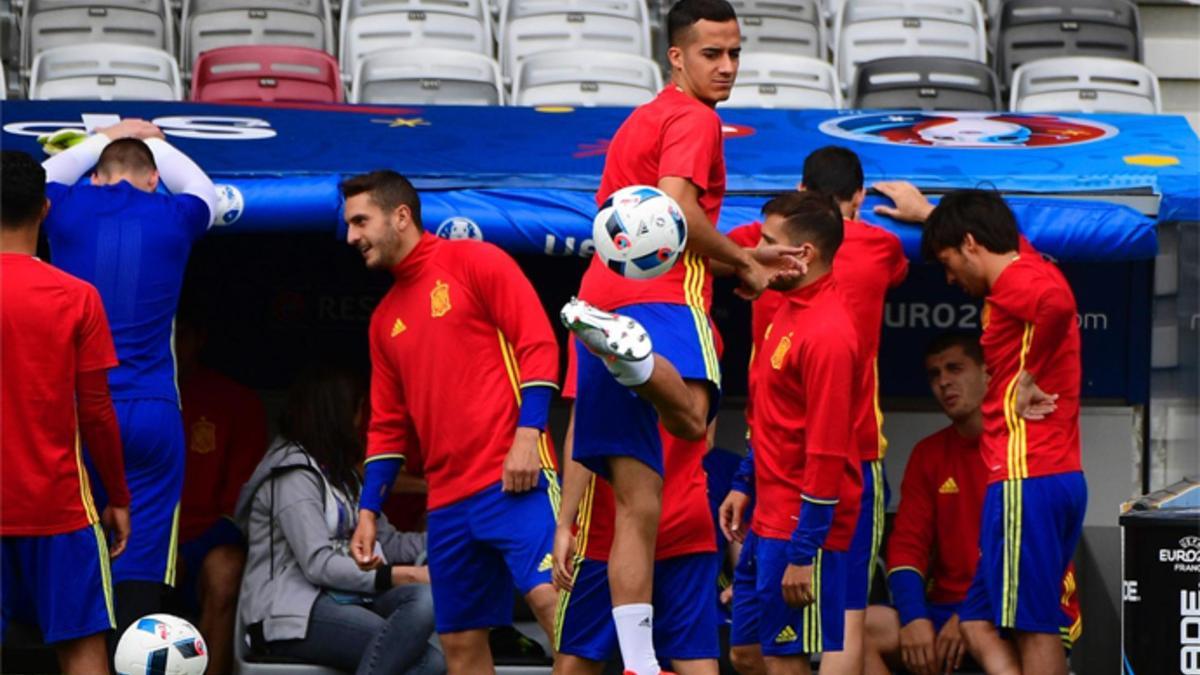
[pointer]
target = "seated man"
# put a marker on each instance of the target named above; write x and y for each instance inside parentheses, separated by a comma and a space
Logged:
(934, 546)
(225, 433)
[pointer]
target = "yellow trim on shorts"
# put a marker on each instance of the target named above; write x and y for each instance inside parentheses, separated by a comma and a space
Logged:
(877, 520)
(694, 277)
(584, 521)
(812, 613)
(105, 572)
(880, 438)
(172, 548)
(1012, 552)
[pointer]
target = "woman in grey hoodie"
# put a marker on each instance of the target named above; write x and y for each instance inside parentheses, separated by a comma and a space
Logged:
(302, 595)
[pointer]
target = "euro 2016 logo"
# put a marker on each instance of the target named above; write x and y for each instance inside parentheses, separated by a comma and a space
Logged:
(974, 130)
(459, 227)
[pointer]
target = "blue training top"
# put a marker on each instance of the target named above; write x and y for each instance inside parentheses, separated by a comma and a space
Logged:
(133, 247)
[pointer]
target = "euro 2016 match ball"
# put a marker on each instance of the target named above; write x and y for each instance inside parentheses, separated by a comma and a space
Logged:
(639, 232)
(161, 644)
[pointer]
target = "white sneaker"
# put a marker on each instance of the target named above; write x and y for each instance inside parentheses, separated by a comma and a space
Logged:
(607, 335)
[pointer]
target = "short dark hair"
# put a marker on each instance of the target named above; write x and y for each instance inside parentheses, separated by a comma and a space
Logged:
(126, 155)
(22, 189)
(388, 191)
(685, 13)
(981, 213)
(833, 170)
(968, 341)
(809, 216)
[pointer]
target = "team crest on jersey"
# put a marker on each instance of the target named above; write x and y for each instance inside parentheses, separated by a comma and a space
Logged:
(398, 327)
(439, 299)
(204, 437)
(975, 130)
(781, 351)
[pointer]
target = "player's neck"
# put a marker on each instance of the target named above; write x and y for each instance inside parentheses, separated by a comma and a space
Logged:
(994, 265)
(680, 83)
(970, 426)
(407, 244)
(816, 272)
(20, 240)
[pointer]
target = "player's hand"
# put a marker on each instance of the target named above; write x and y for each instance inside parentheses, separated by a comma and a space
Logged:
(362, 544)
(798, 586)
(409, 574)
(950, 647)
(783, 262)
(1032, 402)
(917, 647)
(911, 206)
(132, 127)
(727, 595)
(733, 515)
(563, 554)
(115, 519)
(522, 465)
(755, 279)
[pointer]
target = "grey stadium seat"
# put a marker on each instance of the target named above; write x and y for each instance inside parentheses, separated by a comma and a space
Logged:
(105, 72)
(585, 79)
(1036, 29)
(782, 26)
(784, 81)
(571, 31)
(426, 75)
(373, 25)
(1089, 84)
(61, 23)
(926, 83)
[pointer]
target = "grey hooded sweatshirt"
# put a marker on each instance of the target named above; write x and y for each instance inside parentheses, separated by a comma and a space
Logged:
(298, 528)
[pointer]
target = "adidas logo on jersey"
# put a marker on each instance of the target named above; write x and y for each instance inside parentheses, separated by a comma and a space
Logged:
(949, 487)
(788, 634)
(398, 328)
(546, 563)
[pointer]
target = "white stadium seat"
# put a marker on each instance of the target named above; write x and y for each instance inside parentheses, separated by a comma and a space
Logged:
(571, 31)
(374, 25)
(866, 30)
(208, 24)
(784, 81)
(1088, 84)
(782, 26)
(427, 75)
(60, 23)
(105, 72)
(585, 79)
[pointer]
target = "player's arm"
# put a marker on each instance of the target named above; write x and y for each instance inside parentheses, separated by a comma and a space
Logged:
(911, 543)
(576, 478)
(182, 176)
(732, 513)
(1051, 311)
(911, 206)
(68, 166)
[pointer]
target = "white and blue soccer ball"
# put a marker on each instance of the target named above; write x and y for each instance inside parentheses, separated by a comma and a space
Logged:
(459, 227)
(230, 204)
(639, 232)
(161, 644)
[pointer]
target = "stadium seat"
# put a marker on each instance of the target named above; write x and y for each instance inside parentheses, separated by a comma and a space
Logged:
(585, 79)
(926, 83)
(266, 73)
(106, 72)
(212, 24)
(246, 662)
(1036, 29)
(427, 75)
(784, 81)
(1088, 84)
(372, 25)
(628, 9)
(782, 26)
(62, 23)
(571, 31)
(874, 29)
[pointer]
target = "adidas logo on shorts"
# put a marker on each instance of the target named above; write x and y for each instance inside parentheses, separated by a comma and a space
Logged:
(788, 634)
(546, 563)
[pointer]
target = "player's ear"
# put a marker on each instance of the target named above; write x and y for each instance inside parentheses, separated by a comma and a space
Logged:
(45, 210)
(675, 57)
(403, 217)
(969, 245)
(152, 180)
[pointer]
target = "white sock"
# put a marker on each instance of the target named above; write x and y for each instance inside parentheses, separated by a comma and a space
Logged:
(631, 373)
(635, 635)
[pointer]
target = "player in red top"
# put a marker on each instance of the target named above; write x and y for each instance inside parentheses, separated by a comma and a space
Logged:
(1036, 497)
(463, 366)
(661, 343)
(54, 557)
(225, 433)
(807, 476)
(934, 546)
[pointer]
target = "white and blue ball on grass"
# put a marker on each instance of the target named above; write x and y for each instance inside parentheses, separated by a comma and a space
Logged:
(161, 644)
(639, 232)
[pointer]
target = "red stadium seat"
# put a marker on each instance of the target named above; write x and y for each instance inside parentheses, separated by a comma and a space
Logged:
(272, 74)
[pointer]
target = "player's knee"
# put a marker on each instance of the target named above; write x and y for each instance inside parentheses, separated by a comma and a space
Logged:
(222, 576)
(977, 635)
(687, 424)
(747, 659)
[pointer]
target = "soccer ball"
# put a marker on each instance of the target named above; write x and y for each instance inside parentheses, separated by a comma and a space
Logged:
(161, 644)
(639, 232)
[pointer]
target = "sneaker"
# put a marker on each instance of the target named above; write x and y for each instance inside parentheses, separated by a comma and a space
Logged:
(607, 335)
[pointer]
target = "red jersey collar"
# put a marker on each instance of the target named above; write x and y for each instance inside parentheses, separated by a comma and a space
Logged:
(415, 261)
(805, 296)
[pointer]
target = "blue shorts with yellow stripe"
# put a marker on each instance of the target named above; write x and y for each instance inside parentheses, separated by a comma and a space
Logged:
(868, 535)
(1029, 532)
(743, 630)
(685, 610)
(610, 419)
(784, 630)
(152, 438)
(479, 548)
(59, 583)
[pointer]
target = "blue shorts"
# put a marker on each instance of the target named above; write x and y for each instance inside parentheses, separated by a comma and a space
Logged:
(786, 631)
(613, 421)
(685, 610)
(941, 613)
(152, 438)
(744, 629)
(868, 535)
(482, 546)
(193, 552)
(1029, 532)
(58, 582)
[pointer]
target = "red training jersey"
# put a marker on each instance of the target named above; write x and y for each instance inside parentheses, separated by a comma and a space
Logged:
(452, 343)
(225, 429)
(868, 264)
(936, 532)
(685, 525)
(52, 327)
(673, 136)
(803, 392)
(1029, 323)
